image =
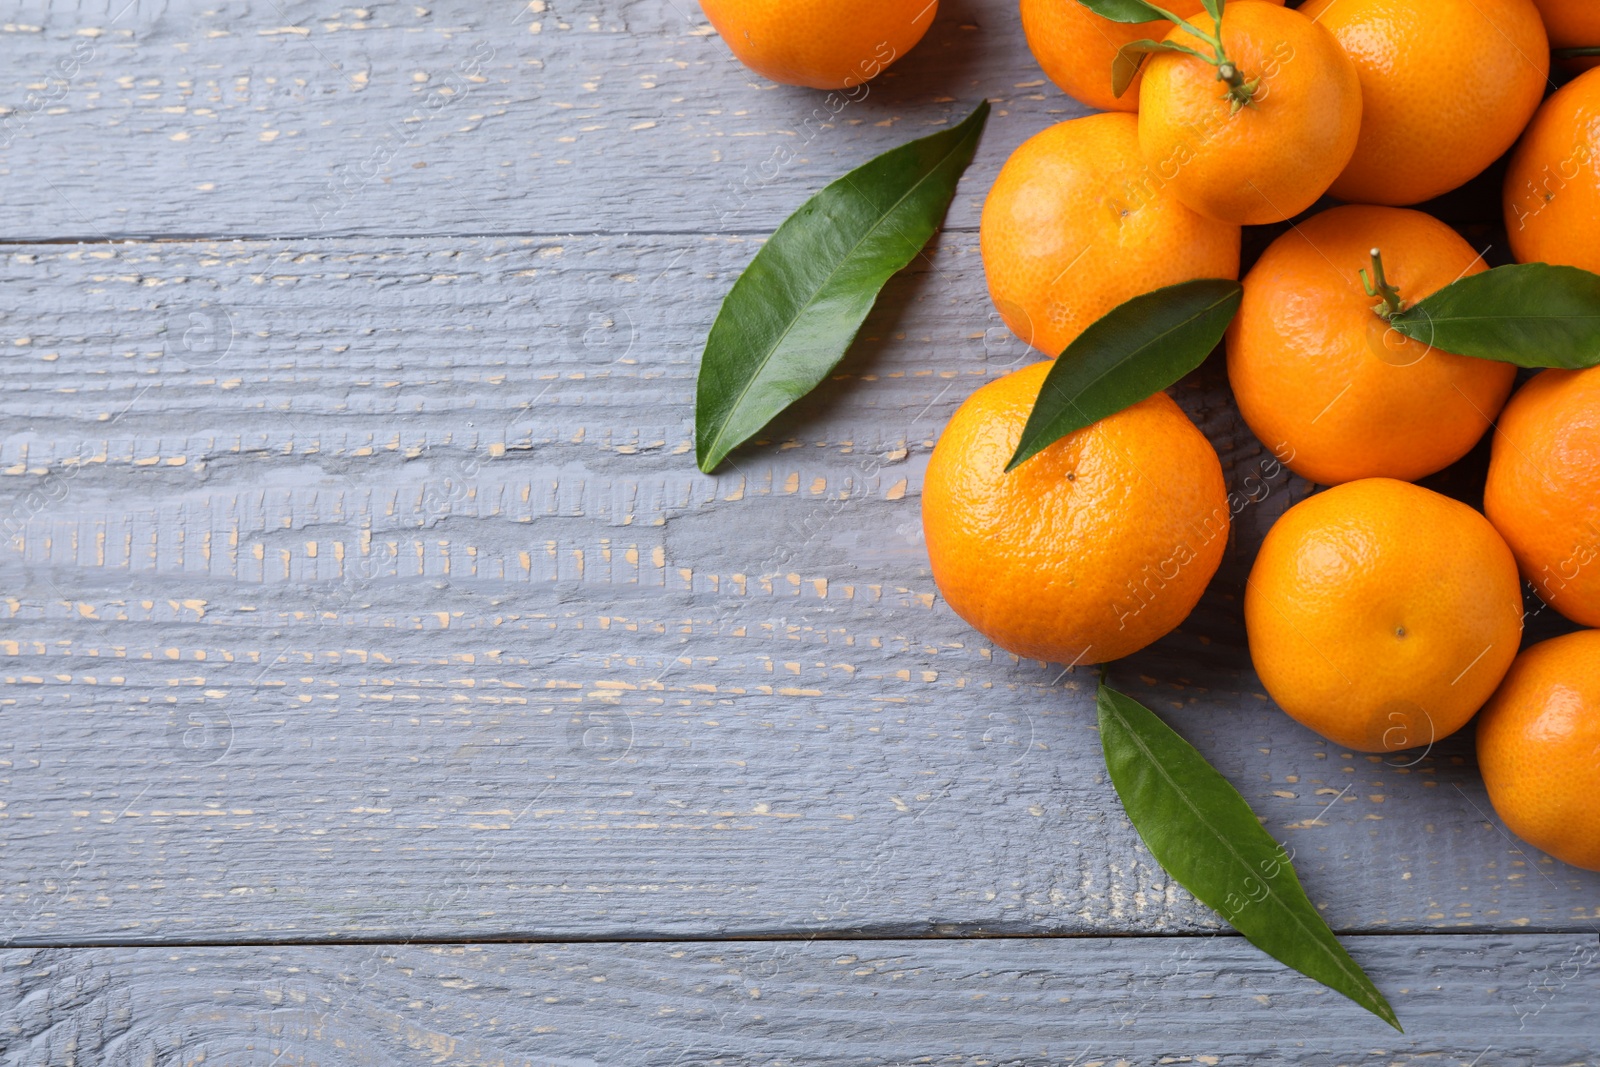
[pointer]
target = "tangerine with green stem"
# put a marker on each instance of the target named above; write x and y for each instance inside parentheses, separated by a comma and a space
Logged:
(1323, 379)
(1251, 123)
(1077, 47)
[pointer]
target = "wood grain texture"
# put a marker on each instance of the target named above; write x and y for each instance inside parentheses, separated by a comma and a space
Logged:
(366, 588)
(1507, 1000)
(288, 118)
(356, 582)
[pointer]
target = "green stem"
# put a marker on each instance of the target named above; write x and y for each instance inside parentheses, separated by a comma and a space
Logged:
(1391, 304)
(1576, 53)
(1240, 91)
(1183, 23)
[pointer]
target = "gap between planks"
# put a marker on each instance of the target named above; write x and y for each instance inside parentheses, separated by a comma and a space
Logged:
(748, 939)
(362, 235)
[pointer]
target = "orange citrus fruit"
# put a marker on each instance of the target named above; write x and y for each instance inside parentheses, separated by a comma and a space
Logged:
(1446, 87)
(1570, 23)
(1076, 224)
(826, 44)
(1267, 149)
(1320, 376)
(1076, 47)
(1552, 193)
(1381, 614)
(1089, 551)
(1539, 748)
(1543, 492)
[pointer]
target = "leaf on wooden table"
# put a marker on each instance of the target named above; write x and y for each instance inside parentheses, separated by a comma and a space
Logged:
(1530, 314)
(1135, 350)
(792, 314)
(1204, 834)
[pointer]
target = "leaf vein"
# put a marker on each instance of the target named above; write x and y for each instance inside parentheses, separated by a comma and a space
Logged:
(811, 300)
(1293, 914)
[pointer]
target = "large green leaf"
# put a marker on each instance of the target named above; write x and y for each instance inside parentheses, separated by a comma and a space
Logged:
(1135, 350)
(1202, 832)
(1530, 314)
(1125, 10)
(792, 314)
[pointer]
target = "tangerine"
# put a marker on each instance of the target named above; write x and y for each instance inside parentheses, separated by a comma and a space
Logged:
(1076, 47)
(825, 44)
(1571, 23)
(1076, 224)
(1539, 748)
(1552, 191)
(1320, 376)
(1094, 548)
(1543, 491)
(1446, 87)
(1381, 614)
(1260, 137)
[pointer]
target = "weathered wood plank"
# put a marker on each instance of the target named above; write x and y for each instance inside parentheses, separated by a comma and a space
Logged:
(379, 599)
(290, 118)
(1506, 1000)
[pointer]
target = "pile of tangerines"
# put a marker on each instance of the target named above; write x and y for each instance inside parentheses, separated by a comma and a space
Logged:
(1379, 613)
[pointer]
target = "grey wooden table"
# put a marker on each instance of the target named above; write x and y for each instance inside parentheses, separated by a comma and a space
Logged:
(383, 685)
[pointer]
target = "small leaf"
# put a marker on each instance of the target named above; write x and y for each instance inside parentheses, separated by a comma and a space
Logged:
(792, 314)
(1203, 834)
(1530, 314)
(1135, 350)
(1124, 10)
(1130, 58)
(1214, 9)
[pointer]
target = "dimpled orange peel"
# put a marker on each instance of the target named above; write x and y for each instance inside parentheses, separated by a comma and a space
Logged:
(824, 44)
(1552, 190)
(1539, 748)
(1320, 376)
(1260, 136)
(1381, 614)
(1446, 87)
(1076, 224)
(1543, 490)
(1089, 551)
(1076, 47)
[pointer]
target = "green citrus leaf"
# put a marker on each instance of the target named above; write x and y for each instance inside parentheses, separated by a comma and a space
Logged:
(1214, 9)
(1135, 350)
(1530, 314)
(1204, 834)
(1124, 10)
(794, 311)
(1130, 57)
